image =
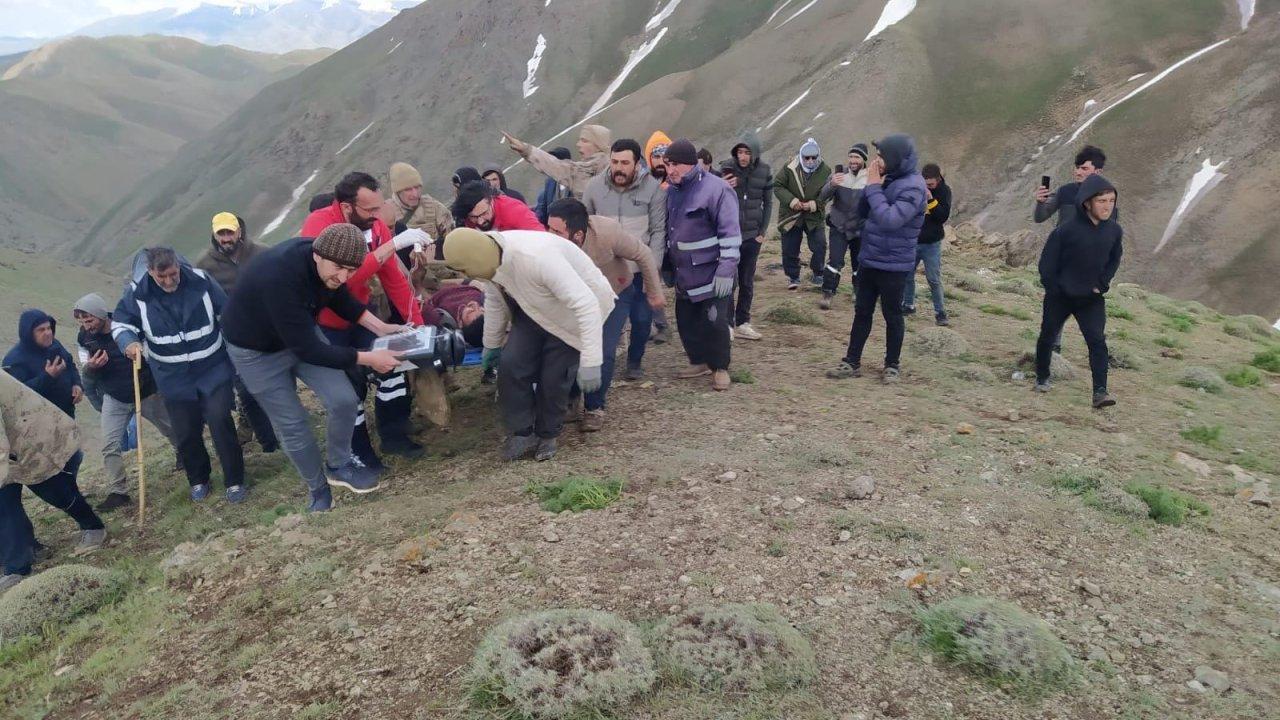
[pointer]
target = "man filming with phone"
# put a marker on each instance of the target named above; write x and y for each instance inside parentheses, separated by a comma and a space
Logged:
(1089, 160)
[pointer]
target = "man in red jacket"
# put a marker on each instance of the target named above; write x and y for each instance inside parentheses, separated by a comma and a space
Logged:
(481, 207)
(357, 200)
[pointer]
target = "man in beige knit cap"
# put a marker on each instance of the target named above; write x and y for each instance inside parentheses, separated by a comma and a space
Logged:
(411, 208)
(593, 145)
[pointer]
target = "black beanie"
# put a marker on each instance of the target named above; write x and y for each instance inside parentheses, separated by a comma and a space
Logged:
(860, 149)
(682, 152)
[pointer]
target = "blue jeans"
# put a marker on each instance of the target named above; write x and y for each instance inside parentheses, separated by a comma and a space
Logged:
(623, 308)
(641, 320)
(931, 255)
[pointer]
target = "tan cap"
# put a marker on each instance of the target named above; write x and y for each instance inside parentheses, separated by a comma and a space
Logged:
(226, 221)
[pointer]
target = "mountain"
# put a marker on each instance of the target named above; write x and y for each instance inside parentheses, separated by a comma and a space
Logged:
(85, 119)
(265, 27)
(997, 92)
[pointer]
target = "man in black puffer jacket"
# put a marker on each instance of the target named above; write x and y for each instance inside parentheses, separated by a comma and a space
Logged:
(752, 180)
(1076, 268)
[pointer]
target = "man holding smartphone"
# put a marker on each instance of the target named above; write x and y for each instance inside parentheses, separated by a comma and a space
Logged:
(1089, 160)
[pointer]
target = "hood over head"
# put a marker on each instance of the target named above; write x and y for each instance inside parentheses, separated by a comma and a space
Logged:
(1093, 186)
(810, 147)
(899, 153)
(750, 141)
(27, 323)
(598, 135)
(495, 167)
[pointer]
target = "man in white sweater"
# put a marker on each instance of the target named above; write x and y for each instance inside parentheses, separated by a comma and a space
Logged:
(545, 303)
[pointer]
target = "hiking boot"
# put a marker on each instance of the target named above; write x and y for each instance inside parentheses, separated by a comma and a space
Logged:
(816, 280)
(844, 370)
(908, 309)
(403, 447)
(635, 372)
(793, 283)
(720, 380)
(353, 476)
(321, 500)
(592, 421)
(199, 492)
(236, 494)
(1043, 386)
(746, 332)
(8, 581)
(546, 449)
(661, 334)
(90, 540)
(891, 376)
(518, 447)
(1103, 400)
(114, 501)
(943, 321)
(693, 371)
(825, 302)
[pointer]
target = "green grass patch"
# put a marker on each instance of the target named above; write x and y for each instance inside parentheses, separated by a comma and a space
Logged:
(1165, 506)
(577, 493)
(1207, 435)
(792, 314)
(1244, 377)
(997, 310)
(1268, 360)
(776, 548)
(1117, 312)
(1182, 323)
(1165, 341)
(742, 376)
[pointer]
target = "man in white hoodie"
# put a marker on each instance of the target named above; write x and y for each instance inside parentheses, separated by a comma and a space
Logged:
(545, 302)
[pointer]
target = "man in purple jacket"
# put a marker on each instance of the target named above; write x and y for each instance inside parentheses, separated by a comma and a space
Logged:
(703, 241)
(893, 203)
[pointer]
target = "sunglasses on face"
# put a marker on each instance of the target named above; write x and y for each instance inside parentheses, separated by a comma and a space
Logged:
(810, 157)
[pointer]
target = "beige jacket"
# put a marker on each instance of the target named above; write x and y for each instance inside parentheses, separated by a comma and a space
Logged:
(35, 431)
(610, 246)
(573, 174)
(431, 216)
(556, 284)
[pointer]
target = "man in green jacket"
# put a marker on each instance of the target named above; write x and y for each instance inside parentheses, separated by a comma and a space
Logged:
(801, 212)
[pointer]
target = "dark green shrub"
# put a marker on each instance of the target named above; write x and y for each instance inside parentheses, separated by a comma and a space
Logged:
(577, 493)
(1167, 507)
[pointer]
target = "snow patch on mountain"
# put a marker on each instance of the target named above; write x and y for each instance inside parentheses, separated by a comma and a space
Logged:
(1088, 104)
(297, 195)
(395, 47)
(661, 16)
(539, 47)
(781, 7)
(637, 56)
(798, 13)
(894, 12)
(1135, 77)
(1144, 86)
(788, 108)
(1205, 180)
(354, 138)
(1246, 13)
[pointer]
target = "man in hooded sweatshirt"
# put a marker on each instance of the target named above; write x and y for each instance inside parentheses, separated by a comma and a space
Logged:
(893, 203)
(937, 212)
(593, 146)
(752, 181)
(544, 308)
(802, 212)
(497, 179)
(230, 252)
(703, 246)
(844, 193)
(1077, 265)
(628, 194)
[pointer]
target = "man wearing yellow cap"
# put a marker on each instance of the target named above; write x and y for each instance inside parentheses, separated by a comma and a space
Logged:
(545, 302)
(230, 252)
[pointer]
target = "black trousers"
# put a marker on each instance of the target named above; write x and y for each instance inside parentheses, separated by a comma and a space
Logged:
(704, 330)
(537, 373)
(885, 286)
(392, 404)
(841, 243)
(791, 249)
(18, 537)
(251, 411)
(188, 419)
(1091, 314)
(746, 291)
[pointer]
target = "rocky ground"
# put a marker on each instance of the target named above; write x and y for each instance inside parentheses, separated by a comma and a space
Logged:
(848, 504)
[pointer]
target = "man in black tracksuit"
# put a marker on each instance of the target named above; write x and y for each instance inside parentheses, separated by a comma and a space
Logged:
(1079, 261)
(752, 180)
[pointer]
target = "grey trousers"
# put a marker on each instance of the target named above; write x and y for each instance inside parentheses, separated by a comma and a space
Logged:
(535, 378)
(272, 379)
(115, 418)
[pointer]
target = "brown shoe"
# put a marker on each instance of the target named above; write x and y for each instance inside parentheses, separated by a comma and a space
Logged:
(720, 380)
(592, 421)
(693, 371)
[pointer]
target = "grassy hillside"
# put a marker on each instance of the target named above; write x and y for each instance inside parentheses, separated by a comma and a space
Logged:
(982, 488)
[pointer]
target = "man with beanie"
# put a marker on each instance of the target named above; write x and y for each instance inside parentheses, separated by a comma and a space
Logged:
(893, 203)
(802, 212)
(230, 251)
(844, 192)
(929, 248)
(102, 360)
(1077, 265)
(593, 146)
(544, 308)
(175, 309)
(703, 247)
(411, 208)
(274, 340)
(615, 251)
(480, 206)
(628, 194)
(357, 201)
(497, 180)
(551, 189)
(752, 182)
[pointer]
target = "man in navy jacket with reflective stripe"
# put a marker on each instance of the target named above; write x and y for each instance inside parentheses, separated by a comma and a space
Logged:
(174, 310)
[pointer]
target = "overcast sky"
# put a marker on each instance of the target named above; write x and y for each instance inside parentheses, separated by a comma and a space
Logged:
(50, 18)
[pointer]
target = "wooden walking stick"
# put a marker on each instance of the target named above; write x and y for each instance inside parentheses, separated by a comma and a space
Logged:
(137, 410)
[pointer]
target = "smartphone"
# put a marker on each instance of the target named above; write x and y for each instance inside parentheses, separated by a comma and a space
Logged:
(839, 168)
(1044, 181)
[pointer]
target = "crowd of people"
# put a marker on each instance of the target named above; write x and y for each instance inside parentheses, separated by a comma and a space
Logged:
(543, 292)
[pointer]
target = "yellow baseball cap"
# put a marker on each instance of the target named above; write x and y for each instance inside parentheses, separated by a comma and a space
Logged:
(225, 221)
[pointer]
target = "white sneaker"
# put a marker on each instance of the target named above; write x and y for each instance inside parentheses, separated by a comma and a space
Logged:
(746, 332)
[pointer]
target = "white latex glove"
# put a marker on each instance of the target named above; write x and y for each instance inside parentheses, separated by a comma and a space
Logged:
(410, 238)
(722, 287)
